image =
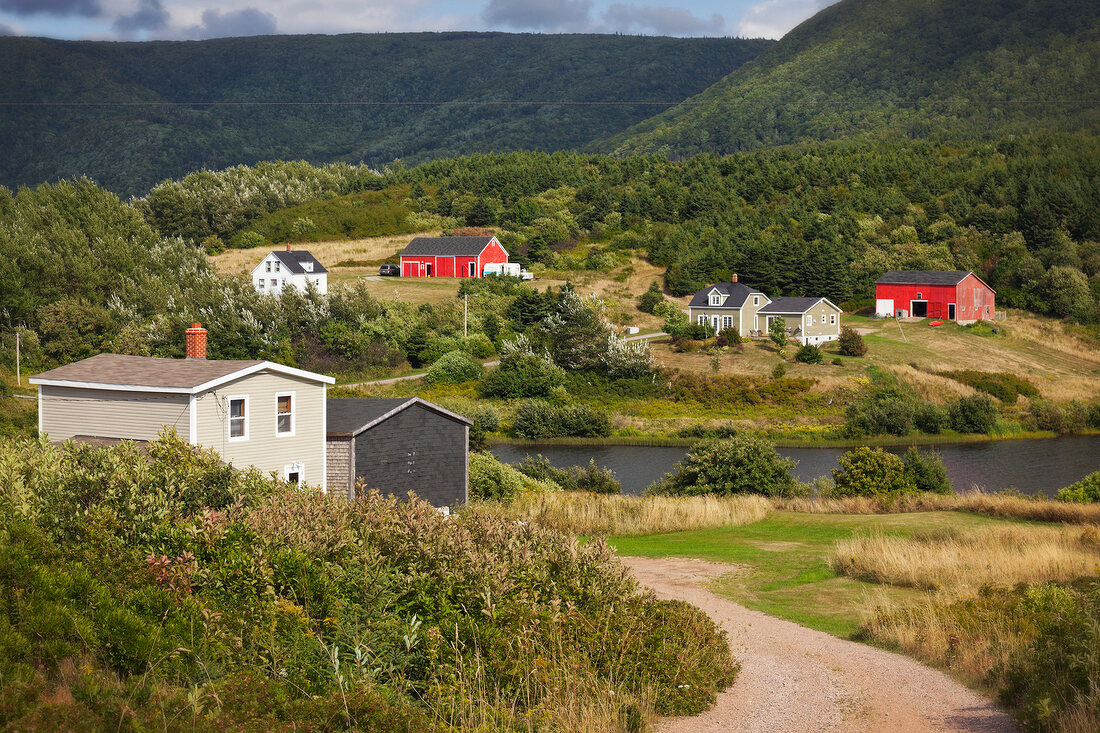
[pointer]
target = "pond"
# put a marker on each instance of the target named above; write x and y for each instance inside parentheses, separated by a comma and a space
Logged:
(1027, 465)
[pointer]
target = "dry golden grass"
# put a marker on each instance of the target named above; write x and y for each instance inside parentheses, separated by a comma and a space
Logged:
(963, 562)
(995, 505)
(591, 514)
(371, 249)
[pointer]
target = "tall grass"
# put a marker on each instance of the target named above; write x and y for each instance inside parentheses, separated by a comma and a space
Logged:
(590, 514)
(959, 562)
(1006, 506)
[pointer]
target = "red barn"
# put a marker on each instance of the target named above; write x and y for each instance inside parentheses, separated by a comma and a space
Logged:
(451, 256)
(955, 296)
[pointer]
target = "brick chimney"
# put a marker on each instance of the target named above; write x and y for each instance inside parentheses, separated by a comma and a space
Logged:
(196, 342)
(288, 246)
(733, 278)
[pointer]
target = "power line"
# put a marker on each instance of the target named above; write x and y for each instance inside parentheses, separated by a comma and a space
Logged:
(563, 103)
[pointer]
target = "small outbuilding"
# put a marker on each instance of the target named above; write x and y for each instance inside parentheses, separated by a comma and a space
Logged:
(954, 295)
(398, 445)
(451, 256)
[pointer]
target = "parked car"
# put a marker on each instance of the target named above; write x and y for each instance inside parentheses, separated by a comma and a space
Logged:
(389, 271)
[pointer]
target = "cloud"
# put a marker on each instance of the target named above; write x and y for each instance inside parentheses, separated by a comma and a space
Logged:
(149, 16)
(84, 8)
(7, 30)
(246, 22)
(544, 15)
(773, 18)
(665, 21)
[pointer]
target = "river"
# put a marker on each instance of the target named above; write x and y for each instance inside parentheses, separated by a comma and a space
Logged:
(1030, 466)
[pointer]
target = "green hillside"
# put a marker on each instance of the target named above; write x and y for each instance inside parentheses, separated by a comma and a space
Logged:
(908, 68)
(131, 114)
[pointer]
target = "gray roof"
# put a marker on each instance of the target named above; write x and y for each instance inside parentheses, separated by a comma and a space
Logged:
(924, 277)
(350, 416)
(446, 246)
(146, 371)
(791, 305)
(738, 293)
(294, 259)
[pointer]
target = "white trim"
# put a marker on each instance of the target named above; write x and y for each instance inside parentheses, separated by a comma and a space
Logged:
(39, 411)
(293, 411)
(278, 368)
(324, 438)
(193, 420)
(295, 467)
(491, 240)
(229, 418)
(106, 385)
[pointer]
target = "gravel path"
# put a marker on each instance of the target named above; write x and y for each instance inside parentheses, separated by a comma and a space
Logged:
(797, 679)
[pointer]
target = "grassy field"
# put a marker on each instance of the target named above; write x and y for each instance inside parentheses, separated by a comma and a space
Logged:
(784, 561)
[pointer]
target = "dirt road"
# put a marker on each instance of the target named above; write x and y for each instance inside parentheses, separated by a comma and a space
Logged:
(797, 679)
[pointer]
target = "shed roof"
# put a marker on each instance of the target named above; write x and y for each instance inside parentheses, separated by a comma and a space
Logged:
(294, 260)
(737, 292)
(793, 304)
(923, 277)
(447, 246)
(156, 374)
(347, 417)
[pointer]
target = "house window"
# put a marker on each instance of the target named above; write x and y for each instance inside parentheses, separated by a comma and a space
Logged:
(727, 321)
(809, 320)
(268, 263)
(317, 281)
(307, 266)
(277, 265)
(238, 418)
(294, 473)
(832, 319)
(284, 413)
(260, 283)
(274, 283)
(919, 296)
(715, 299)
(756, 300)
(701, 320)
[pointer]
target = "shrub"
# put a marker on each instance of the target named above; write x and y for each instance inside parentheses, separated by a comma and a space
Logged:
(851, 342)
(867, 471)
(590, 478)
(743, 464)
(485, 420)
(650, 300)
(809, 354)
(1085, 491)
(521, 373)
(931, 418)
(779, 370)
(884, 411)
(927, 472)
(731, 335)
(535, 419)
(974, 414)
(777, 332)
(491, 479)
(1005, 386)
(454, 367)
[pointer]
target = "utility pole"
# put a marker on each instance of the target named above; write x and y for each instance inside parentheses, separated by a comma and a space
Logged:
(18, 373)
(465, 312)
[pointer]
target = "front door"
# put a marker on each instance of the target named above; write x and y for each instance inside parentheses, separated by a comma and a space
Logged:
(714, 322)
(473, 269)
(428, 269)
(950, 311)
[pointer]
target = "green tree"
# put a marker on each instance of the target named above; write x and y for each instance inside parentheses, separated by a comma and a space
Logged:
(777, 332)
(1066, 290)
(927, 471)
(851, 342)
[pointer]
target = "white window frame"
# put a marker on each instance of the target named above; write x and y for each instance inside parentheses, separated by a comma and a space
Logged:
(755, 300)
(229, 418)
(307, 266)
(278, 266)
(260, 283)
(715, 299)
(293, 412)
(809, 320)
(727, 322)
(832, 319)
(296, 467)
(274, 283)
(920, 296)
(701, 319)
(269, 265)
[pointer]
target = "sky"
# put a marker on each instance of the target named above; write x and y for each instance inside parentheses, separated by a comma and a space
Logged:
(139, 20)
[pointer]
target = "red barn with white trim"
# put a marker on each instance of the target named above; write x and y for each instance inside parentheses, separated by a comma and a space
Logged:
(957, 295)
(451, 256)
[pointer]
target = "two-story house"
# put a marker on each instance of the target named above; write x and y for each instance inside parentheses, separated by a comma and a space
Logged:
(727, 305)
(289, 269)
(252, 412)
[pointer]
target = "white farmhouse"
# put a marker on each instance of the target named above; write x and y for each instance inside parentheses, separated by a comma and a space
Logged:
(296, 269)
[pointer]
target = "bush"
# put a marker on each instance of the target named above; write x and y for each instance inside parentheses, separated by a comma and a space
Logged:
(809, 354)
(535, 419)
(931, 418)
(974, 414)
(779, 370)
(454, 367)
(651, 300)
(777, 332)
(884, 411)
(743, 464)
(1003, 385)
(867, 471)
(1085, 491)
(731, 335)
(485, 420)
(521, 373)
(851, 343)
(927, 471)
(492, 480)
(591, 478)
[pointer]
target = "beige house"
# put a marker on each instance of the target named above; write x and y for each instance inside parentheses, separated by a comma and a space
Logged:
(809, 320)
(252, 412)
(727, 305)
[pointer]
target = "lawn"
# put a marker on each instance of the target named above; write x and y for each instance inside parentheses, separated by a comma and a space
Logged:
(782, 561)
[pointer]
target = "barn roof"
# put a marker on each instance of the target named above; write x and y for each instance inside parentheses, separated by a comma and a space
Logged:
(295, 260)
(347, 417)
(446, 246)
(923, 277)
(737, 294)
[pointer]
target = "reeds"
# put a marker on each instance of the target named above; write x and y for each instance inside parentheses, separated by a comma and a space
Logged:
(958, 562)
(1006, 506)
(591, 514)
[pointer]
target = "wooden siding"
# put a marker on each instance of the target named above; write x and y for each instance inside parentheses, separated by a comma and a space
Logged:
(340, 476)
(264, 449)
(415, 450)
(69, 411)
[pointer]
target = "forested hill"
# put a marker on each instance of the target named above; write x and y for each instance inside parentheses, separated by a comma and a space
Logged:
(131, 114)
(939, 69)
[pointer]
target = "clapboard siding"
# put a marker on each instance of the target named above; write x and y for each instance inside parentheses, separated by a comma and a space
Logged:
(264, 449)
(415, 450)
(68, 411)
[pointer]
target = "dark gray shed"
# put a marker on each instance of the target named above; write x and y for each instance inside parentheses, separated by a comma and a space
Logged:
(398, 445)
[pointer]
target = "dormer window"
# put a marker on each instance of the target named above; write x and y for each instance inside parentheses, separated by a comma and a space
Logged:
(715, 298)
(755, 300)
(307, 266)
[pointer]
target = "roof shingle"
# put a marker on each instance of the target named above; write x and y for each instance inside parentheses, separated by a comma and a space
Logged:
(146, 371)
(294, 260)
(737, 293)
(923, 277)
(446, 246)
